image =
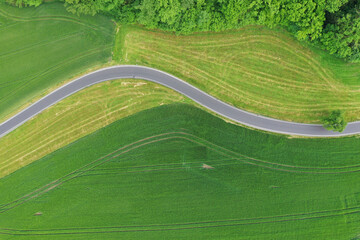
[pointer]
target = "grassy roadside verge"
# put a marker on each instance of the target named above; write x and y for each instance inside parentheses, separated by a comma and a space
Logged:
(77, 116)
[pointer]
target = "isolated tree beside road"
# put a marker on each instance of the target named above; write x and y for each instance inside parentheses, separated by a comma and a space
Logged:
(335, 121)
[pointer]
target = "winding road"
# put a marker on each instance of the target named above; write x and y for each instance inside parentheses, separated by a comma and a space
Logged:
(165, 79)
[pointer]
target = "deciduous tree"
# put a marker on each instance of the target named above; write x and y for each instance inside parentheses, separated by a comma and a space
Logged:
(335, 121)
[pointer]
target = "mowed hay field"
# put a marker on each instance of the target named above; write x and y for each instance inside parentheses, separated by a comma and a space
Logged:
(41, 47)
(260, 70)
(78, 115)
(143, 177)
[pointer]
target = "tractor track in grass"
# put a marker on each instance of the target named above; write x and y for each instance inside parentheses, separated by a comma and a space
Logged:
(40, 44)
(82, 171)
(53, 17)
(240, 71)
(184, 226)
(177, 226)
(256, 98)
(167, 80)
(54, 68)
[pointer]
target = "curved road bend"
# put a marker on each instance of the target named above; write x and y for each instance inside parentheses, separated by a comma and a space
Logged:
(204, 99)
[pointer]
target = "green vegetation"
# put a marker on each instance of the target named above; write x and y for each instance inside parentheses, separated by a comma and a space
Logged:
(143, 177)
(39, 48)
(176, 171)
(335, 121)
(341, 34)
(332, 24)
(254, 68)
(24, 3)
(257, 69)
(78, 116)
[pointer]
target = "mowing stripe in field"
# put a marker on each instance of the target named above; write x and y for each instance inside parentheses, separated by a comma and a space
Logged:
(263, 71)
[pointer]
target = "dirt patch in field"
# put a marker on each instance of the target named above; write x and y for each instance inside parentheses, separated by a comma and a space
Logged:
(205, 166)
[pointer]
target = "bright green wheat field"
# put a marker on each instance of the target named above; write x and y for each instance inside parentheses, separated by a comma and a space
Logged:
(142, 177)
(40, 47)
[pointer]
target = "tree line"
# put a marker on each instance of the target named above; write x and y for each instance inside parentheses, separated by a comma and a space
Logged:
(334, 25)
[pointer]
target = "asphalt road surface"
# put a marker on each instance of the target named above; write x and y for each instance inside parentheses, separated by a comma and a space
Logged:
(165, 79)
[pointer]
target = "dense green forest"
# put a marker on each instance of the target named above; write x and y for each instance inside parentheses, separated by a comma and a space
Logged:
(333, 25)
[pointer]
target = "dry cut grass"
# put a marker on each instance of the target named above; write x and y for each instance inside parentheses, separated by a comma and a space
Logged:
(260, 70)
(77, 116)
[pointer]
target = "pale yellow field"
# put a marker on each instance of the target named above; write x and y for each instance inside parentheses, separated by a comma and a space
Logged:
(260, 70)
(77, 116)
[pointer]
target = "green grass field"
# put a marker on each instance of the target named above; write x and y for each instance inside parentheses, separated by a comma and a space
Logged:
(41, 47)
(142, 177)
(174, 171)
(257, 69)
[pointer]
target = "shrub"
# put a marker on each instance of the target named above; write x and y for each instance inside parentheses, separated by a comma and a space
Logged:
(335, 121)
